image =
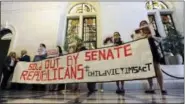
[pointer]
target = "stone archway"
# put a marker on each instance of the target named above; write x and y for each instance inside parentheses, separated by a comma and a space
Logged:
(6, 35)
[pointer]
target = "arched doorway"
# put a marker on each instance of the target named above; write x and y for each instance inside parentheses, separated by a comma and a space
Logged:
(6, 35)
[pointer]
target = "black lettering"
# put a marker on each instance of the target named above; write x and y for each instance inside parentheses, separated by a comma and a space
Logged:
(116, 71)
(108, 72)
(104, 74)
(127, 71)
(113, 71)
(96, 73)
(130, 69)
(91, 73)
(148, 64)
(137, 69)
(99, 73)
(143, 69)
(122, 70)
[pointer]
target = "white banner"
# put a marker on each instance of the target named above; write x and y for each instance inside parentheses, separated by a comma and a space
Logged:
(130, 61)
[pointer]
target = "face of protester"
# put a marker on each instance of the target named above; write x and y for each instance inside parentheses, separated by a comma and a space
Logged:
(145, 30)
(116, 37)
(23, 53)
(41, 46)
(71, 49)
(143, 23)
(14, 55)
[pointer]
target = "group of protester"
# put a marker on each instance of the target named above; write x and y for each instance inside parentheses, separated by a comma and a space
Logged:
(116, 40)
(9, 65)
(11, 61)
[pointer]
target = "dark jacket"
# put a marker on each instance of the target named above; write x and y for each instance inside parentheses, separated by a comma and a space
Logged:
(7, 62)
(25, 58)
(118, 43)
(81, 49)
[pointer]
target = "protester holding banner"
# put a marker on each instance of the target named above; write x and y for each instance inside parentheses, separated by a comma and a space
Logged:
(90, 85)
(59, 51)
(8, 69)
(56, 87)
(79, 47)
(42, 54)
(60, 86)
(156, 59)
(72, 49)
(116, 63)
(26, 58)
(118, 41)
(107, 43)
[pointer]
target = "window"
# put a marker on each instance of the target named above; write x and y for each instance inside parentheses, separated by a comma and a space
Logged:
(164, 16)
(152, 21)
(82, 8)
(167, 22)
(72, 29)
(81, 22)
(89, 32)
(156, 5)
(161, 17)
